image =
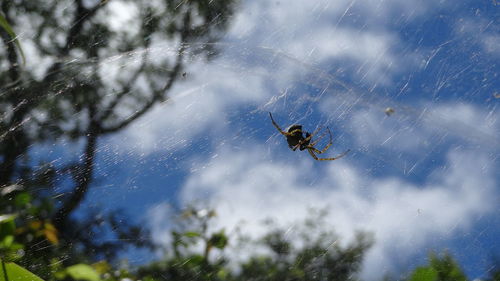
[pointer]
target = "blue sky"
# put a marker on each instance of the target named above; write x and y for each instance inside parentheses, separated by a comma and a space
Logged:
(421, 179)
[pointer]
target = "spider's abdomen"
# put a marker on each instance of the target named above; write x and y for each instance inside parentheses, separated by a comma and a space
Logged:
(296, 137)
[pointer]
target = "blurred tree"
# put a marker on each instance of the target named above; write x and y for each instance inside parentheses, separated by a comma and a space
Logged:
(443, 268)
(310, 253)
(189, 258)
(74, 86)
(319, 259)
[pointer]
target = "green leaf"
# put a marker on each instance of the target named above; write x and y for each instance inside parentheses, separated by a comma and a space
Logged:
(192, 234)
(6, 26)
(83, 272)
(16, 273)
(219, 240)
(424, 274)
(194, 260)
(7, 241)
(222, 274)
(446, 267)
(7, 217)
(22, 199)
(7, 226)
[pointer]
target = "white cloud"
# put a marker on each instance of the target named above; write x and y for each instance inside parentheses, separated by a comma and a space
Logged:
(491, 43)
(278, 19)
(201, 105)
(323, 30)
(314, 32)
(468, 122)
(160, 221)
(255, 66)
(249, 187)
(413, 131)
(481, 31)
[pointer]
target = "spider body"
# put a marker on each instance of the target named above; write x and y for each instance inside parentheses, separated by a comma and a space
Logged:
(296, 138)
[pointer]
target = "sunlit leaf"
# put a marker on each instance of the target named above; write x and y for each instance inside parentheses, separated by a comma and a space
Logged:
(51, 235)
(424, 274)
(101, 267)
(192, 234)
(7, 241)
(82, 272)
(7, 217)
(222, 274)
(16, 273)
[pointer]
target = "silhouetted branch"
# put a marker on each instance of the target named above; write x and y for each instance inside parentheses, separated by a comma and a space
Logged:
(82, 15)
(83, 176)
(126, 89)
(159, 95)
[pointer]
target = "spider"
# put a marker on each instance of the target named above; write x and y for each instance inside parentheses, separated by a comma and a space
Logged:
(296, 139)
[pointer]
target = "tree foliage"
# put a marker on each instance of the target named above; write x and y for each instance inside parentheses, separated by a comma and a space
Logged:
(312, 253)
(440, 268)
(75, 88)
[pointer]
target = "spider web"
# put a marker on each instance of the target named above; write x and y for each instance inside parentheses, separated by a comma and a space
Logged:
(315, 97)
(410, 142)
(219, 114)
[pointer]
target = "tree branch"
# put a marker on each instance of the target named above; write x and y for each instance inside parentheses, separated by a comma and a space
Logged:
(82, 15)
(158, 95)
(126, 89)
(83, 175)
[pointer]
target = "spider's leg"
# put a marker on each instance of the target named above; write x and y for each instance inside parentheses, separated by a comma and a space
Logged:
(277, 126)
(312, 154)
(311, 149)
(318, 139)
(310, 136)
(311, 146)
(314, 149)
(327, 159)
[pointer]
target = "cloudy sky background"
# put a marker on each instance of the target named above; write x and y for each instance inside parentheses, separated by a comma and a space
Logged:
(424, 178)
